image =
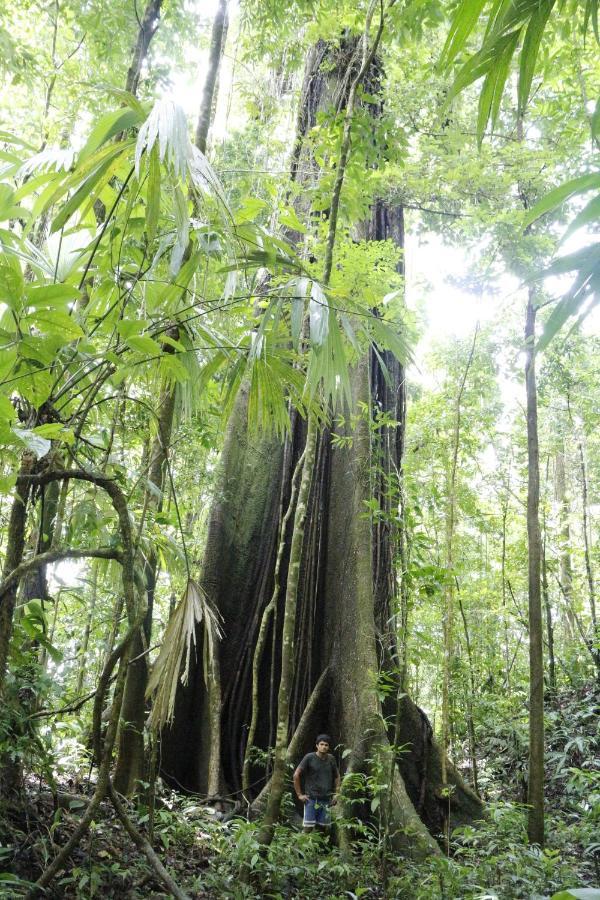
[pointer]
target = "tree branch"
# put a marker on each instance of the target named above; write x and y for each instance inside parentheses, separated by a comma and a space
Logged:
(44, 559)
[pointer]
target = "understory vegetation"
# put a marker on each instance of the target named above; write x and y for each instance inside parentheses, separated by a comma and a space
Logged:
(299, 403)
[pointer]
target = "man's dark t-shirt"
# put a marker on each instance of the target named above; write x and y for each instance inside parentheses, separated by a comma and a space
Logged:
(319, 775)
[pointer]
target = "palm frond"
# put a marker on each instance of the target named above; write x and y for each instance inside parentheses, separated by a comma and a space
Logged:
(173, 663)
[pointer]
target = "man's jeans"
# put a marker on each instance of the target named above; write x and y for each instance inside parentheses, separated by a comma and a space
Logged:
(316, 812)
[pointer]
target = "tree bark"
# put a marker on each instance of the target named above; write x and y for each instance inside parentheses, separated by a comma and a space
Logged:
(15, 547)
(146, 31)
(549, 620)
(566, 565)
(131, 760)
(535, 798)
(343, 602)
(595, 641)
(448, 623)
(289, 628)
(217, 46)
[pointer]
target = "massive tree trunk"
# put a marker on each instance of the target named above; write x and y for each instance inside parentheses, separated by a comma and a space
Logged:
(345, 591)
(343, 611)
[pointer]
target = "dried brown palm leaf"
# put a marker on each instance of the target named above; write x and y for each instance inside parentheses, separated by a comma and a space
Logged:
(193, 609)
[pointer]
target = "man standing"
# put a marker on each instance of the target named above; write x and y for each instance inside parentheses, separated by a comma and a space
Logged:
(321, 778)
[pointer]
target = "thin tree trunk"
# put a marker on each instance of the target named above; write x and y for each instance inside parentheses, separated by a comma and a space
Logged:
(130, 762)
(146, 32)
(588, 559)
(566, 566)
(535, 824)
(217, 46)
(14, 553)
(470, 697)
(449, 562)
(83, 662)
(549, 622)
(289, 625)
(504, 609)
(404, 551)
(547, 605)
(264, 625)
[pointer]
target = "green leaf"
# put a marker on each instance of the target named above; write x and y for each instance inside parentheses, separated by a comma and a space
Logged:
(8, 359)
(8, 209)
(289, 218)
(108, 126)
(182, 222)
(595, 120)
(9, 878)
(463, 22)
(529, 50)
(300, 290)
(7, 482)
(589, 214)
(54, 321)
(390, 337)
(591, 12)
(166, 127)
(51, 295)
(7, 411)
(584, 259)
(11, 282)
(177, 345)
(128, 327)
(124, 96)
(493, 88)
(144, 344)
(98, 177)
(37, 386)
(173, 369)
(55, 431)
(249, 209)
(42, 349)
(557, 196)
(171, 292)
(586, 287)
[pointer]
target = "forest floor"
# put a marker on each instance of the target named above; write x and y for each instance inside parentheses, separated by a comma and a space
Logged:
(205, 851)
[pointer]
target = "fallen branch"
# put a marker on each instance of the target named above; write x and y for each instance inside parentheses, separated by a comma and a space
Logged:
(144, 845)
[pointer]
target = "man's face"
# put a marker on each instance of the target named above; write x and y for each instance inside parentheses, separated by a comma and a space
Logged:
(322, 747)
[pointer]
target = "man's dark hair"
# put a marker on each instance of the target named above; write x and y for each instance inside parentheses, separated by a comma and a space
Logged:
(323, 737)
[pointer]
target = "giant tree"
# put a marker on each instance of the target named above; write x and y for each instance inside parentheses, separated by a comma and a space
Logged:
(345, 584)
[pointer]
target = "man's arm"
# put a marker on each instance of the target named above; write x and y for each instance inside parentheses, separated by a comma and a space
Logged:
(298, 787)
